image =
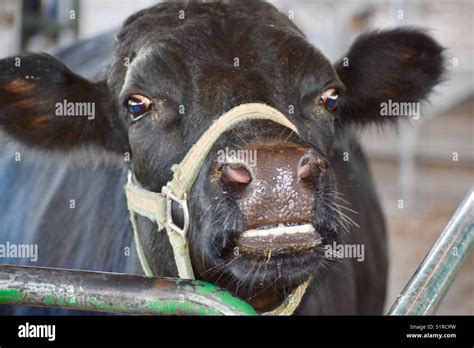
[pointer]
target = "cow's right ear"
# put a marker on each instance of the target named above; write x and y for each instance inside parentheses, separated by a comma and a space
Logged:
(45, 105)
(395, 66)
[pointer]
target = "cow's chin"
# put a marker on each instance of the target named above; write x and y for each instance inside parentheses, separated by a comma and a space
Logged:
(281, 255)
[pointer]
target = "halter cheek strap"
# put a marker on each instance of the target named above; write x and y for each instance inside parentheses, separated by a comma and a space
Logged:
(156, 206)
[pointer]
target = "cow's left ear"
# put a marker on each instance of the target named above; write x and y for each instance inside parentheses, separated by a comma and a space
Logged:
(45, 105)
(401, 65)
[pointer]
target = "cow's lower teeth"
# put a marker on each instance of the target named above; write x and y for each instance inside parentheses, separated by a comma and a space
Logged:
(278, 231)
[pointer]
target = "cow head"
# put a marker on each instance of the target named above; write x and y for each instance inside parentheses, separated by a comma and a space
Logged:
(259, 217)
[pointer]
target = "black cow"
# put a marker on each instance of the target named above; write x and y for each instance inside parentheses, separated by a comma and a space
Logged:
(174, 69)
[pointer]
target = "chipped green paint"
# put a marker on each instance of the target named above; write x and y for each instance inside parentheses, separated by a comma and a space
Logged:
(49, 300)
(173, 307)
(97, 305)
(11, 296)
(58, 300)
(226, 297)
(115, 293)
(163, 307)
(71, 301)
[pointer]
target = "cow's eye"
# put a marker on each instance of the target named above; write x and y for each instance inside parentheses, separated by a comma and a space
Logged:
(138, 106)
(330, 98)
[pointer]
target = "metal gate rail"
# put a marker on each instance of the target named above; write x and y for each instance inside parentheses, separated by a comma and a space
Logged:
(431, 281)
(115, 293)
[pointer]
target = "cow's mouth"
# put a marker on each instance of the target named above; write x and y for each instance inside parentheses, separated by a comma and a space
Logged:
(280, 238)
(274, 223)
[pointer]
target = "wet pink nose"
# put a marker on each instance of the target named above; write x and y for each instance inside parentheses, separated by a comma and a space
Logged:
(277, 187)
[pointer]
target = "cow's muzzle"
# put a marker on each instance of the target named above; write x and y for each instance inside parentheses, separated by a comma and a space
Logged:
(157, 206)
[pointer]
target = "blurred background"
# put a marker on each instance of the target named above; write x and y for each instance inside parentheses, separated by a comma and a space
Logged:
(428, 164)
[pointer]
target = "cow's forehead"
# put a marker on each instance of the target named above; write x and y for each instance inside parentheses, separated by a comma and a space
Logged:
(217, 55)
(198, 47)
(218, 68)
(231, 28)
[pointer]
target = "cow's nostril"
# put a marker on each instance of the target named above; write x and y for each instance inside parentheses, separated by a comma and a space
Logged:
(305, 171)
(310, 166)
(236, 173)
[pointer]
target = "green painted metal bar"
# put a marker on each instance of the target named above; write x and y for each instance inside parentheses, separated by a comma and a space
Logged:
(431, 281)
(115, 293)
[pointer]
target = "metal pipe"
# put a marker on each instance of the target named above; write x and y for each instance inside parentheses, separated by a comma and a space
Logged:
(115, 293)
(431, 281)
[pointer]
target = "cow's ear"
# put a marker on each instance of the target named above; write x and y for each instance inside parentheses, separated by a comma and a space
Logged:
(385, 67)
(45, 105)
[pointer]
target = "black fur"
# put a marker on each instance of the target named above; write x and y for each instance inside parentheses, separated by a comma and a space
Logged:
(190, 63)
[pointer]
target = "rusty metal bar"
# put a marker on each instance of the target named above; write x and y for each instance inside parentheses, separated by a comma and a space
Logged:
(115, 293)
(431, 281)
